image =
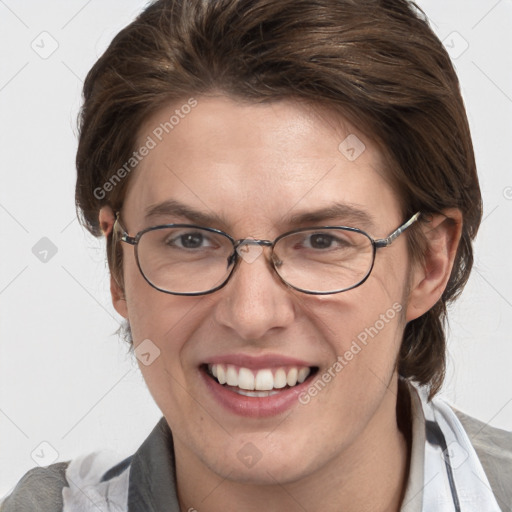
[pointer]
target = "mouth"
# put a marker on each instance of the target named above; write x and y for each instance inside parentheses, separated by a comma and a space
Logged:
(257, 392)
(258, 383)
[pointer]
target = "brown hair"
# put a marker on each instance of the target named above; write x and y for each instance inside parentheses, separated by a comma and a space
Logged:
(376, 61)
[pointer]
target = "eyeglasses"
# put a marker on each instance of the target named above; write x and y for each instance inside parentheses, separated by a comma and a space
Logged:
(185, 259)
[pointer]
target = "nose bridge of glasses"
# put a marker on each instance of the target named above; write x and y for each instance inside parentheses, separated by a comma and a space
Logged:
(242, 249)
(252, 241)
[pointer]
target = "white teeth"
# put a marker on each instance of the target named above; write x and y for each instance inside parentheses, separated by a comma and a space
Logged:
(280, 378)
(221, 376)
(257, 394)
(291, 378)
(303, 373)
(263, 380)
(232, 376)
(245, 379)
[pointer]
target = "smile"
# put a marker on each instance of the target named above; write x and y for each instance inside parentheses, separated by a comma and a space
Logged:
(260, 392)
(258, 383)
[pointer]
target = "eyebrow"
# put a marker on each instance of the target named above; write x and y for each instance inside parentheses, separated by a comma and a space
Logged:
(348, 214)
(174, 208)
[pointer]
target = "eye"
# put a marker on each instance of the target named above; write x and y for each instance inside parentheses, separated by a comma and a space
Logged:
(319, 241)
(189, 240)
(325, 241)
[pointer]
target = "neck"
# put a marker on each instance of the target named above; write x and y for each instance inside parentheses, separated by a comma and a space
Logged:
(370, 475)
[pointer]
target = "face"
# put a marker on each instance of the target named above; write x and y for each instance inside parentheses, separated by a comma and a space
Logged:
(257, 169)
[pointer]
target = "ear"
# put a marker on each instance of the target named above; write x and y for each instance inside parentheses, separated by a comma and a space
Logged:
(430, 277)
(118, 298)
(107, 219)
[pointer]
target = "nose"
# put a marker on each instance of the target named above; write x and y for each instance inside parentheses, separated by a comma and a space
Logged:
(255, 300)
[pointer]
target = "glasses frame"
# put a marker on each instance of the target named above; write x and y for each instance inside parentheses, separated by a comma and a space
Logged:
(377, 243)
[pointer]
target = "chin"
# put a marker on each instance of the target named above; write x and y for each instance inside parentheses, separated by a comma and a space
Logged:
(263, 473)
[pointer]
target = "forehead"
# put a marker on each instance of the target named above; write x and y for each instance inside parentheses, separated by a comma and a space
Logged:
(245, 162)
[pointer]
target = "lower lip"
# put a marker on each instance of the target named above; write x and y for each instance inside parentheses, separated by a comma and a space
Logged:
(255, 407)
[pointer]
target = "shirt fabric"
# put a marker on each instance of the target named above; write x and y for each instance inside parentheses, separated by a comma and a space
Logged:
(146, 481)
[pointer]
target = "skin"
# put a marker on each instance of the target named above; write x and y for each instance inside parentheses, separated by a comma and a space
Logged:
(255, 165)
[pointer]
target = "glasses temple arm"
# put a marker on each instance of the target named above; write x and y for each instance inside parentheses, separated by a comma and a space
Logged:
(119, 230)
(384, 242)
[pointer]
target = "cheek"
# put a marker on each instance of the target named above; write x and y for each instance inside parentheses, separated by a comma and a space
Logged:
(364, 336)
(165, 319)
(355, 310)
(147, 307)
(161, 324)
(363, 326)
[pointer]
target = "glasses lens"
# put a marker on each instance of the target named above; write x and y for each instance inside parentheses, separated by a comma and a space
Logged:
(324, 260)
(184, 259)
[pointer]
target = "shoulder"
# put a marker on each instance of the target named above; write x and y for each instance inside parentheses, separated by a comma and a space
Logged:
(66, 485)
(39, 489)
(494, 449)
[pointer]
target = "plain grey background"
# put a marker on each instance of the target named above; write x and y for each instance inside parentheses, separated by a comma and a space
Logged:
(67, 386)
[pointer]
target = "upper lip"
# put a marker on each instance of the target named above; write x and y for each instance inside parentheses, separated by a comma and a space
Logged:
(257, 362)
